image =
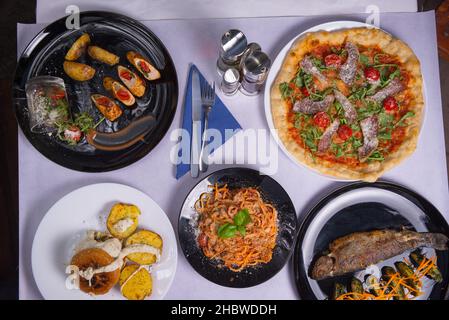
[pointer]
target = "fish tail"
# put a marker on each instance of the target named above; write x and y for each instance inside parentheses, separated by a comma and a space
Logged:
(438, 241)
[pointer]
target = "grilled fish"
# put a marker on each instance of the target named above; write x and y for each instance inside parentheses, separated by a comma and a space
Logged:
(357, 251)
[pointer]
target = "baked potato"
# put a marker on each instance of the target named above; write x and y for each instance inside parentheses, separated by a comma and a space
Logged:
(102, 55)
(144, 237)
(136, 282)
(142, 64)
(78, 47)
(119, 91)
(107, 107)
(132, 81)
(78, 71)
(123, 220)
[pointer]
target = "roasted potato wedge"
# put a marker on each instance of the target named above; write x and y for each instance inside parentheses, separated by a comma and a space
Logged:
(78, 71)
(123, 220)
(144, 237)
(132, 81)
(107, 107)
(136, 282)
(78, 47)
(142, 64)
(119, 91)
(102, 55)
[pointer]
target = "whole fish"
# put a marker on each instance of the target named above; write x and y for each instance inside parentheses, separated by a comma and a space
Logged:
(359, 250)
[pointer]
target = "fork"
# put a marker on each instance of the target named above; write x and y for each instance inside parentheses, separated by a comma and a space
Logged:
(208, 100)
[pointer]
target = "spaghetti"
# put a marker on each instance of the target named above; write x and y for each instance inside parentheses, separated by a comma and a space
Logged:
(242, 250)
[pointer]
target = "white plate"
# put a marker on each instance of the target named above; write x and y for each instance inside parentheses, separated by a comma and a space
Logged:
(275, 68)
(85, 209)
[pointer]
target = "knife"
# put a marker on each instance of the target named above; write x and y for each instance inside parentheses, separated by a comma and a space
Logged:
(197, 107)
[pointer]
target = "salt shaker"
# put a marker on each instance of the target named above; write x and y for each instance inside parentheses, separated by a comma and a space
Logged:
(230, 81)
(232, 47)
(255, 69)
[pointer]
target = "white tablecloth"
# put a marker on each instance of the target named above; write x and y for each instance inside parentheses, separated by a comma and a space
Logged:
(50, 10)
(42, 182)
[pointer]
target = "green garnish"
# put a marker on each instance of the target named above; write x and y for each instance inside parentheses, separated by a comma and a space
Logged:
(364, 60)
(228, 230)
(401, 121)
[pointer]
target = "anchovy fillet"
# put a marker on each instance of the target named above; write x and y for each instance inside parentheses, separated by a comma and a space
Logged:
(370, 142)
(350, 112)
(308, 67)
(326, 138)
(394, 87)
(308, 106)
(359, 250)
(349, 68)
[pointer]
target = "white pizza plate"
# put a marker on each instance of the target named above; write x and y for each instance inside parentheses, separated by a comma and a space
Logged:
(84, 209)
(275, 68)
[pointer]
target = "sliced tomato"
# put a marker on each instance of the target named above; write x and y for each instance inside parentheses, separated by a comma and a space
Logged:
(390, 104)
(122, 94)
(344, 132)
(144, 66)
(126, 75)
(372, 74)
(58, 94)
(333, 60)
(321, 119)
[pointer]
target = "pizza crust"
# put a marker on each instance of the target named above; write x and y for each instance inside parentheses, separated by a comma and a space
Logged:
(365, 37)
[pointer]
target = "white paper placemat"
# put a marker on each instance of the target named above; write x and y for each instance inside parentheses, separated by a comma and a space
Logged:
(42, 182)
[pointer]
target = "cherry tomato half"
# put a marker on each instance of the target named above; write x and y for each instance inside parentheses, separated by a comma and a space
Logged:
(344, 132)
(390, 104)
(372, 74)
(305, 92)
(332, 60)
(321, 119)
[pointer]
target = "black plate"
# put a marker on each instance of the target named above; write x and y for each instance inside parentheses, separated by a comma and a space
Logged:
(117, 33)
(273, 193)
(364, 207)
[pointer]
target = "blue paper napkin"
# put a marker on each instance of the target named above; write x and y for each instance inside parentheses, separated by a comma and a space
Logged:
(219, 118)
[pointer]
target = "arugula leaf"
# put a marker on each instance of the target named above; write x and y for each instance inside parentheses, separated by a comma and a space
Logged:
(376, 156)
(286, 91)
(401, 121)
(364, 60)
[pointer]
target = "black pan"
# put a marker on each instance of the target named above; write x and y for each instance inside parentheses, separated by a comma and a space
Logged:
(118, 34)
(273, 193)
(364, 207)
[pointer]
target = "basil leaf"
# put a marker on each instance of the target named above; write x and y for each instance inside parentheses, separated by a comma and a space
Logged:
(242, 218)
(376, 156)
(227, 231)
(242, 230)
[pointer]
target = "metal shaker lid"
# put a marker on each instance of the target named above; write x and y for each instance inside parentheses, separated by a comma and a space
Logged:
(256, 65)
(233, 44)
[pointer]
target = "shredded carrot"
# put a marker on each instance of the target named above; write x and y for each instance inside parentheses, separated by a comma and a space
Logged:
(388, 291)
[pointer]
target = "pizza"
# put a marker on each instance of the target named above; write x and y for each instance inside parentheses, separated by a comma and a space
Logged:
(349, 103)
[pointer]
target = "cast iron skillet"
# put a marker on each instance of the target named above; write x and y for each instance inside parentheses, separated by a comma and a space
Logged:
(118, 34)
(364, 207)
(273, 193)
